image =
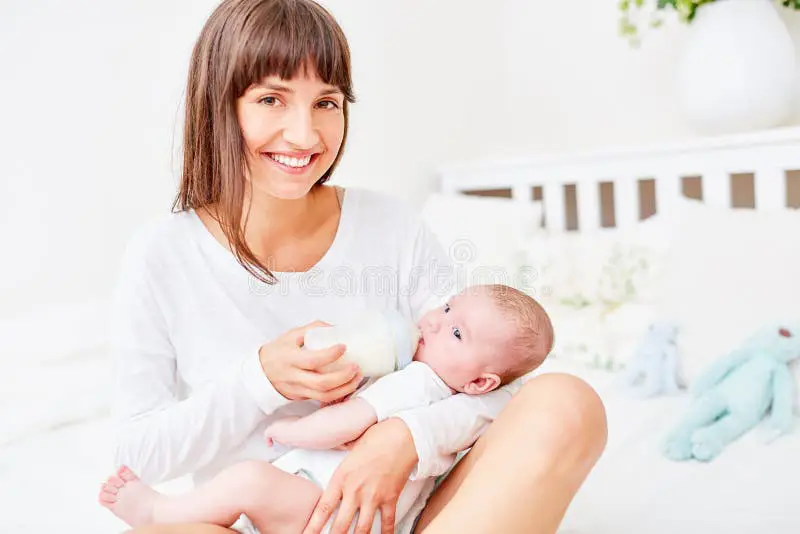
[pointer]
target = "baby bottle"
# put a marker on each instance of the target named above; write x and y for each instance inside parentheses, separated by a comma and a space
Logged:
(380, 342)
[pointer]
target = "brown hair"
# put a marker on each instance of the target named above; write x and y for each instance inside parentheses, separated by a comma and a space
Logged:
(242, 42)
(534, 334)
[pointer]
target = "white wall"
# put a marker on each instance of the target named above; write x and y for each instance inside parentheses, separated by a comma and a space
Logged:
(88, 104)
(91, 93)
(574, 84)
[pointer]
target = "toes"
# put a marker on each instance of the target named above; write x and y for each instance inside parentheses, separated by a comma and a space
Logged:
(126, 474)
(108, 487)
(116, 482)
(108, 494)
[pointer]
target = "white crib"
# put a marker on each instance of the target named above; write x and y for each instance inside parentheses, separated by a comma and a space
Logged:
(615, 188)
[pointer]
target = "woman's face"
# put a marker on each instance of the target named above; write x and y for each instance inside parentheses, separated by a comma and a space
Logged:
(293, 130)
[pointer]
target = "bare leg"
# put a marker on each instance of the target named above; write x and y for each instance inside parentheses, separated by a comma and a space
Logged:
(275, 501)
(524, 471)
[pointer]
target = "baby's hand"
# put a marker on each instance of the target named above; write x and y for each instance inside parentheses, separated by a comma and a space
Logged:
(276, 430)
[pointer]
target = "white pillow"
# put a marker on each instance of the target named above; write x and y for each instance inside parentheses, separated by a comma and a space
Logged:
(599, 337)
(606, 267)
(729, 273)
(484, 236)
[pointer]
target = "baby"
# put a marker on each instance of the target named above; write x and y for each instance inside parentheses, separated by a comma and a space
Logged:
(483, 338)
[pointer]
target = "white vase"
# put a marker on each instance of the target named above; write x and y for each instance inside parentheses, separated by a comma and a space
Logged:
(738, 69)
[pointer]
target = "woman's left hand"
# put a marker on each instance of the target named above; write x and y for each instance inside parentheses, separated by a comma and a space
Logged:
(369, 479)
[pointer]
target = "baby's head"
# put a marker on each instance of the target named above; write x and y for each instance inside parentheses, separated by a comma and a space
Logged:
(484, 337)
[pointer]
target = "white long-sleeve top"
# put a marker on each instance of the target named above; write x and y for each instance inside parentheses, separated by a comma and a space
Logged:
(188, 320)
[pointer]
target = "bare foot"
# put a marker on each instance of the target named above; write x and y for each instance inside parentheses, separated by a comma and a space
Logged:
(129, 498)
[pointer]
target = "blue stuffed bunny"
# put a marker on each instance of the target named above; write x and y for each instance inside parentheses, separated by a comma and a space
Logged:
(735, 393)
(653, 369)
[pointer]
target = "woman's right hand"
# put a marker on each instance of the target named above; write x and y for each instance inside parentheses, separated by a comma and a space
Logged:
(303, 374)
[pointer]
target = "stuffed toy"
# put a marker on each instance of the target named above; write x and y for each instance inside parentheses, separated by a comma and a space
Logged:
(653, 369)
(735, 393)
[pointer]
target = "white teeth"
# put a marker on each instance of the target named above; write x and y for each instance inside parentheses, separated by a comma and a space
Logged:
(291, 162)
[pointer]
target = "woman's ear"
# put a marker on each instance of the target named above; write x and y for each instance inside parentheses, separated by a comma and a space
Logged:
(483, 384)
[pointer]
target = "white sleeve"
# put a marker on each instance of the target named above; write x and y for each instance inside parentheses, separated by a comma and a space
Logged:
(157, 434)
(452, 425)
(414, 386)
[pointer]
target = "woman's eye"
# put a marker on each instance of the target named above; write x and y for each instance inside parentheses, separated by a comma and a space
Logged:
(268, 100)
(457, 332)
(329, 104)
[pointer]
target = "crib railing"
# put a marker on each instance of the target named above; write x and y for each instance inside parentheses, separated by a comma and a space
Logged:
(618, 187)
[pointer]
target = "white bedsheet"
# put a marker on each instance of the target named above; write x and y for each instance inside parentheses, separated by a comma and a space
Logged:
(49, 481)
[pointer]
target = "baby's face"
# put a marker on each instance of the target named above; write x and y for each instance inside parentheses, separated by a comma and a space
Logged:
(463, 337)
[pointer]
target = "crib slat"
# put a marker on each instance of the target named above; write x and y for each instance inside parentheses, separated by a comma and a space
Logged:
(626, 202)
(668, 192)
(717, 188)
(521, 193)
(770, 188)
(588, 205)
(554, 208)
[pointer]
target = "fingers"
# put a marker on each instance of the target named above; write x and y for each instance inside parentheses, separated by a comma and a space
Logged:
(366, 515)
(344, 517)
(387, 518)
(329, 381)
(324, 509)
(333, 394)
(313, 360)
(346, 389)
(299, 333)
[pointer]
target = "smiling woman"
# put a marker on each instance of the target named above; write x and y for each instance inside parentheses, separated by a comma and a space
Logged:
(275, 116)
(204, 363)
(246, 121)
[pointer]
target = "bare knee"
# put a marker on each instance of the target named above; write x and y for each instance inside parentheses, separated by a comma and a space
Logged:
(566, 412)
(252, 478)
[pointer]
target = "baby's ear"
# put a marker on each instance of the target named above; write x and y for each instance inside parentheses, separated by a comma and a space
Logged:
(483, 384)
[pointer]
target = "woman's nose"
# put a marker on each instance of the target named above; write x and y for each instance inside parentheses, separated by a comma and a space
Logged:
(299, 129)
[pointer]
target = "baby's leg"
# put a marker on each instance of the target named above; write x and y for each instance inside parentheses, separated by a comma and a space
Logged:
(275, 501)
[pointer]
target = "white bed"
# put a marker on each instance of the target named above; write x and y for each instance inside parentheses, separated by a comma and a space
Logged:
(751, 487)
(52, 462)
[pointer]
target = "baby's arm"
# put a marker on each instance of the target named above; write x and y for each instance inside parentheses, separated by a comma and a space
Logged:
(329, 427)
(326, 428)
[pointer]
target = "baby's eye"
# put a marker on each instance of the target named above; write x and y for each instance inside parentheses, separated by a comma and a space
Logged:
(446, 308)
(457, 332)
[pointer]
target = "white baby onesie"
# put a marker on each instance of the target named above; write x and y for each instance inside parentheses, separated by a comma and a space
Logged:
(415, 386)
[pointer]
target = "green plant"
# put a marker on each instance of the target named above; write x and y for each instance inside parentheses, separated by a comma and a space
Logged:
(634, 14)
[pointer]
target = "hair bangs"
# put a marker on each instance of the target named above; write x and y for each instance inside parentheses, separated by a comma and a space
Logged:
(294, 40)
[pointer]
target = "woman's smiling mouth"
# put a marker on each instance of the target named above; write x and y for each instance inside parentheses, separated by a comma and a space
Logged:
(291, 164)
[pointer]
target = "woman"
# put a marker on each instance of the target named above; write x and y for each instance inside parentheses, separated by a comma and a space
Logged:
(213, 302)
